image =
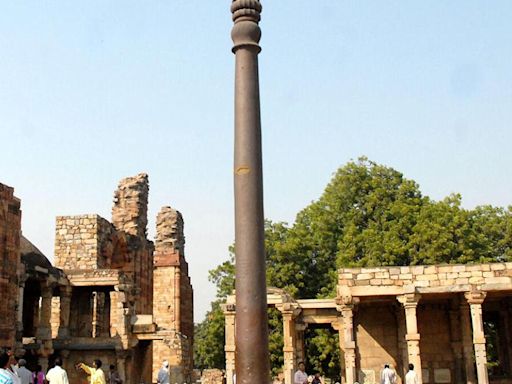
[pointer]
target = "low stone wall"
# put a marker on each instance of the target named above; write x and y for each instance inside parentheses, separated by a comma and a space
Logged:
(482, 276)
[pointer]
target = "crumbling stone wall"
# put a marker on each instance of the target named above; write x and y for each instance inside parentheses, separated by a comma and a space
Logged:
(173, 305)
(130, 211)
(10, 232)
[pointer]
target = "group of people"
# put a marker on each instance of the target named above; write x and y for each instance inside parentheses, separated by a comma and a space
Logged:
(16, 372)
(388, 376)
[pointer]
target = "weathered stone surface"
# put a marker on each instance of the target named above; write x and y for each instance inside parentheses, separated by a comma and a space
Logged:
(130, 211)
(100, 304)
(10, 232)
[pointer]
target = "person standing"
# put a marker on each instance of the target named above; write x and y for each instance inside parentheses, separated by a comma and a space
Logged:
(387, 376)
(113, 376)
(95, 372)
(57, 375)
(163, 374)
(5, 376)
(38, 376)
(300, 376)
(23, 373)
(411, 377)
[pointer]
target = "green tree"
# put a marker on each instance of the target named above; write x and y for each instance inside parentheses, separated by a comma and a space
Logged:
(368, 215)
(209, 339)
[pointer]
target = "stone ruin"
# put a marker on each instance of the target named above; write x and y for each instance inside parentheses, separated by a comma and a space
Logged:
(112, 294)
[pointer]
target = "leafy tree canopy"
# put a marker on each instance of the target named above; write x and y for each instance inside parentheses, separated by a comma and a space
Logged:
(368, 215)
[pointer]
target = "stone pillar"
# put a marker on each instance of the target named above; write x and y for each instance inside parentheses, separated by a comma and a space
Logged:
(475, 300)
(508, 322)
(402, 342)
(121, 364)
(289, 313)
(455, 336)
(467, 343)
(44, 328)
(346, 307)
(300, 353)
(229, 348)
(410, 303)
(19, 313)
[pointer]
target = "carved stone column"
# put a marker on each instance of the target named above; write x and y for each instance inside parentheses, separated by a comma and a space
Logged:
(229, 347)
(44, 329)
(19, 313)
(475, 300)
(289, 312)
(410, 303)
(65, 307)
(402, 342)
(345, 306)
(467, 343)
(456, 342)
(121, 364)
(300, 353)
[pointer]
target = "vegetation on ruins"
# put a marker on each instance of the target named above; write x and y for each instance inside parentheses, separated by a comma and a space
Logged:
(368, 215)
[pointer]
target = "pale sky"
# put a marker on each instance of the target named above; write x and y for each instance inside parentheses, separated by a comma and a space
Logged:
(91, 92)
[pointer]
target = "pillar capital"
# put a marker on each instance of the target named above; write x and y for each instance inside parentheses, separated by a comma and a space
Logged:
(409, 299)
(228, 309)
(65, 291)
(475, 297)
(246, 32)
(346, 303)
(289, 309)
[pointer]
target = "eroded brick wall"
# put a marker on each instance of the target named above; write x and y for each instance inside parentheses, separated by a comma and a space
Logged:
(173, 304)
(130, 210)
(10, 232)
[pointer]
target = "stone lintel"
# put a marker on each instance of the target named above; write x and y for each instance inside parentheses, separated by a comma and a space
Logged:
(319, 319)
(364, 291)
(95, 277)
(317, 303)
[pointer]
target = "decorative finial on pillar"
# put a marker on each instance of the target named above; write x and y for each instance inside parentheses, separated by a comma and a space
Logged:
(246, 16)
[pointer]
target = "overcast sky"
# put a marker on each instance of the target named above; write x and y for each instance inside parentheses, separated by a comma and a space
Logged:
(94, 91)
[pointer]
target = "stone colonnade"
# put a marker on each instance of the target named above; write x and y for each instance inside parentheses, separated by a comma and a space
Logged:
(466, 322)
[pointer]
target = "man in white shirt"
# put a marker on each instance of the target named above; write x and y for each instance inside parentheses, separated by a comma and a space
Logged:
(163, 373)
(411, 377)
(301, 376)
(387, 376)
(57, 375)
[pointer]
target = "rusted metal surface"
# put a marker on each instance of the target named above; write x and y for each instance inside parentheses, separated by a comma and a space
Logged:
(252, 358)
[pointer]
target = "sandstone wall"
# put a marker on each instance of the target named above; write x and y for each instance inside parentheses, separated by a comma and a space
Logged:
(426, 278)
(173, 303)
(130, 211)
(78, 242)
(377, 338)
(10, 232)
